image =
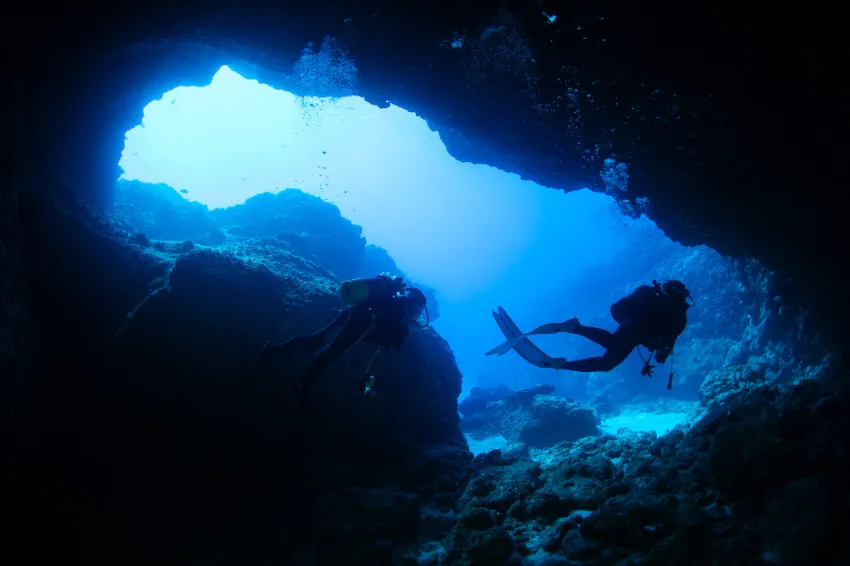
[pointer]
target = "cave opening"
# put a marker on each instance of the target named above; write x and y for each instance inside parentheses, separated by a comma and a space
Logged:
(138, 447)
(477, 236)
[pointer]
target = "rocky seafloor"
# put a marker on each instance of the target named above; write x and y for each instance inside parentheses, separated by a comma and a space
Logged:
(753, 476)
(176, 460)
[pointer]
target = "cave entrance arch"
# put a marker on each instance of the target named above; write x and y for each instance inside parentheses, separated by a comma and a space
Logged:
(386, 170)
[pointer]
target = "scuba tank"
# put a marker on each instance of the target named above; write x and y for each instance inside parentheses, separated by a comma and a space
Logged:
(632, 305)
(356, 291)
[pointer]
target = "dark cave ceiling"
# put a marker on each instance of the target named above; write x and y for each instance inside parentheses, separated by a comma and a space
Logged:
(732, 122)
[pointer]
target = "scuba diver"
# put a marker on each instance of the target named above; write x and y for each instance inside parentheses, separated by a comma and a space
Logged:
(652, 316)
(381, 310)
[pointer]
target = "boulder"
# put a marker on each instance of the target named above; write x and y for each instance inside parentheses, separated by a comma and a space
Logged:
(543, 420)
(524, 413)
(479, 397)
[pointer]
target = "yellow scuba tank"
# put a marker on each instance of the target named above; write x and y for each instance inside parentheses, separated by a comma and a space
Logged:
(356, 291)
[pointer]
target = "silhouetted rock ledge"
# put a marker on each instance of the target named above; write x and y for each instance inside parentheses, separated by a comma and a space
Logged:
(151, 419)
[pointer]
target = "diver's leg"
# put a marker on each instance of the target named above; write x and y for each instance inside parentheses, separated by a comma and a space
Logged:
(317, 339)
(310, 342)
(597, 335)
(352, 332)
(620, 345)
(339, 321)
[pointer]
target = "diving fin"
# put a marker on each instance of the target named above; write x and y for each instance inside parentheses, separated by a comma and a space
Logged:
(551, 328)
(523, 346)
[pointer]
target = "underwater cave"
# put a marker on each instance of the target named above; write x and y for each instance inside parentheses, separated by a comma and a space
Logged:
(187, 200)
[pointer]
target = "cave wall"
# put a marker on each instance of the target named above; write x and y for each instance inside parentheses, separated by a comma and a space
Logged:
(725, 117)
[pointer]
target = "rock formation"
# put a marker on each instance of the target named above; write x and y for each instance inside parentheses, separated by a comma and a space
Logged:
(157, 448)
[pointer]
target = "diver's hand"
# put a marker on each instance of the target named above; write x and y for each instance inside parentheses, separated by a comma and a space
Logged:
(558, 363)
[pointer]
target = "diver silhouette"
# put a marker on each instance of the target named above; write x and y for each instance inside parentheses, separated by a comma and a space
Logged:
(380, 312)
(652, 316)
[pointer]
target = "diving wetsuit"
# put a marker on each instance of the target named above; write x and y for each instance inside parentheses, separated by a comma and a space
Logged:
(381, 322)
(655, 322)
